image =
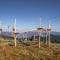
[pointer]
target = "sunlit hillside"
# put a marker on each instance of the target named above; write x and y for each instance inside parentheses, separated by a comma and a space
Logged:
(28, 51)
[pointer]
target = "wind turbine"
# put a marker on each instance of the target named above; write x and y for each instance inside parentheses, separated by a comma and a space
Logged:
(34, 37)
(23, 36)
(26, 36)
(0, 27)
(49, 30)
(46, 36)
(14, 32)
(8, 28)
(39, 32)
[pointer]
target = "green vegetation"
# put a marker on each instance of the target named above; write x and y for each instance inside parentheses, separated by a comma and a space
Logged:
(28, 51)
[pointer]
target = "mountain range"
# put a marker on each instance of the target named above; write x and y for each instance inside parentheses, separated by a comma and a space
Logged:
(29, 34)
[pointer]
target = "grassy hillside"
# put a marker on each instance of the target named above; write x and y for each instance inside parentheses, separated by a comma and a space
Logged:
(28, 51)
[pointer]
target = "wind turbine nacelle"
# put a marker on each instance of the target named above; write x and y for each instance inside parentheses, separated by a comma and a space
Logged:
(40, 29)
(48, 29)
(14, 30)
(0, 29)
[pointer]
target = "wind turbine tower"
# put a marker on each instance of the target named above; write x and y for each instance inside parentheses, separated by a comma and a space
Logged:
(49, 30)
(14, 32)
(39, 32)
(34, 37)
(0, 27)
(46, 36)
(25, 36)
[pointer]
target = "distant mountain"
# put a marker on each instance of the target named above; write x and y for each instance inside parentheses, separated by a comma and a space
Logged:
(29, 34)
(6, 34)
(32, 33)
(55, 38)
(55, 33)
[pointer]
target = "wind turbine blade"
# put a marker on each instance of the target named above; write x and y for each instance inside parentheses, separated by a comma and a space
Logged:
(40, 22)
(49, 26)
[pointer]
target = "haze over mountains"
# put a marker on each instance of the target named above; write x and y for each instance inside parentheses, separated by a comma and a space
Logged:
(29, 34)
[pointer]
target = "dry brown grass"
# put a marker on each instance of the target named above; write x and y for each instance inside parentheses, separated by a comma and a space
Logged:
(30, 52)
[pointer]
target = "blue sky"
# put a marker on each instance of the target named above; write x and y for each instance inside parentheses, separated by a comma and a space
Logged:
(28, 13)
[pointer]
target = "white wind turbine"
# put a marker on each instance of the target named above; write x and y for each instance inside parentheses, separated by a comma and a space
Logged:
(34, 37)
(0, 27)
(46, 36)
(14, 32)
(39, 32)
(49, 30)
(25, 34)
